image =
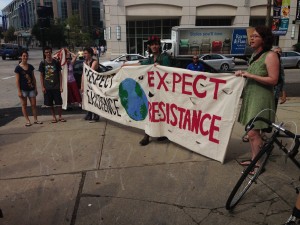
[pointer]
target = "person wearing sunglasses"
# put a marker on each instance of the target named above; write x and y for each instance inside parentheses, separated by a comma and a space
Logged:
(195, 65)
(258, 94)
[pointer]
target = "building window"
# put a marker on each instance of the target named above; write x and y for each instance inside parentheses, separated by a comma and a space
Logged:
(75, 6)
(220, 21)
(48, 3)
(139, 31)
(63, 9)
(257, 21)
(96, 13)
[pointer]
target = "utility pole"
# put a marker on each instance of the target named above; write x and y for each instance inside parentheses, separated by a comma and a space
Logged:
(268, 18)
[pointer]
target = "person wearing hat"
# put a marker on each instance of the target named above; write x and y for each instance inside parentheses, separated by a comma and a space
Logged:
(158, 58)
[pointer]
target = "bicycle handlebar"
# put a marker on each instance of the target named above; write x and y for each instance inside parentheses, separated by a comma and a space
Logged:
(294, 151)
(250, 125)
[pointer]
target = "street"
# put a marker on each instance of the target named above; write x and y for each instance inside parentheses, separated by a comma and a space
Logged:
(8, 86)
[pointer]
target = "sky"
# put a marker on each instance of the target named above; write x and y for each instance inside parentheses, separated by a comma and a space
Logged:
(4, 3)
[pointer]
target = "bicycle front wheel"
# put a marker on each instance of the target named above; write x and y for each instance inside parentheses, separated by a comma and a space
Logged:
(249, 176)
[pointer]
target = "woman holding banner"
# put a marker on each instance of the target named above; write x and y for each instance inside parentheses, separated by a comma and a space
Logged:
(88, 56)
(258, 96)
(157, 58)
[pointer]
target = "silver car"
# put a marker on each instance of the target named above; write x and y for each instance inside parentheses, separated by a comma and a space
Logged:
(290, 59)
(218, 61)
(125, 58)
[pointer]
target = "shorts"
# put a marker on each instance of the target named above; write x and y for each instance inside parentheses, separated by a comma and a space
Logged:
(52, 95)
(30, 94)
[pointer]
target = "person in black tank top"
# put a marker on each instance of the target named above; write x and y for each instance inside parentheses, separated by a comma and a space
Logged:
(88, 55)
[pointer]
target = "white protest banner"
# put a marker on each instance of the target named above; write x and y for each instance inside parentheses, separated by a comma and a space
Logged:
(61, 56)
(194, 109)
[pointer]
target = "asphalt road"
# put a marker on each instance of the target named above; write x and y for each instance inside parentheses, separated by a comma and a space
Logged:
(8, 90)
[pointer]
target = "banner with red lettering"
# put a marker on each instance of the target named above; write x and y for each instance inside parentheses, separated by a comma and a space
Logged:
(194, 109)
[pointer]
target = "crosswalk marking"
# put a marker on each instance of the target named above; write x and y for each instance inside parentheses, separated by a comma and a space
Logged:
(5, 78)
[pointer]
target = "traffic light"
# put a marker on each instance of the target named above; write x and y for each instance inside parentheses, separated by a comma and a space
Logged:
(45, 14)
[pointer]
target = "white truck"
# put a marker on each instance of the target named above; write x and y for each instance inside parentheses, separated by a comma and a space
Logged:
(187, 41)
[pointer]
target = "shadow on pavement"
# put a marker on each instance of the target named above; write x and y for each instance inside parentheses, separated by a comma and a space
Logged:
(9, 114)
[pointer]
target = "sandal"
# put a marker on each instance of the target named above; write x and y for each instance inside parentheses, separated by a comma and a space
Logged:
(254, 171)
(28, 124)
(38, 122)
(245, 162)
(245, 138)
(62, 120)
(54, 121)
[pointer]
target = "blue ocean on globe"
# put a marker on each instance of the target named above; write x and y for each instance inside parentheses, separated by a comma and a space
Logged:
(133, 99)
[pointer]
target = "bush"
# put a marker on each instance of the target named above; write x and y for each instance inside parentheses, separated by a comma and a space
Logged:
(297, 47)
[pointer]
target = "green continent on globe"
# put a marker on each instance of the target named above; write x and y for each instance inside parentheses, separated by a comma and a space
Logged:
(124, 96)
(138, 90)
(133, 99)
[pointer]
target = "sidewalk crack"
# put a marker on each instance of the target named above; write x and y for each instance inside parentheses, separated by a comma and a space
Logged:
(77, 202)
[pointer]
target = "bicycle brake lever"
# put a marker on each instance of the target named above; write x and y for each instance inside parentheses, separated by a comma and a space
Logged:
(249, 127)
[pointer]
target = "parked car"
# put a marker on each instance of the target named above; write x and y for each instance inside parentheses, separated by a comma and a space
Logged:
(78, 69)
(2, 47)
(12, 51)
(218, 61)
(290, 59)
(125, 58)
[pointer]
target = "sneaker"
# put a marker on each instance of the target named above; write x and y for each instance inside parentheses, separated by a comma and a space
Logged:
(88, 117)
(163, 138)
(96, 118)
(145, 141)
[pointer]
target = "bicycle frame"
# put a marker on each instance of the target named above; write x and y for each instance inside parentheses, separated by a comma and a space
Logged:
(283, 148)
(248, 176)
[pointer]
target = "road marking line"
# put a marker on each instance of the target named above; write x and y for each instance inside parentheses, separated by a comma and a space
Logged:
(5, 78)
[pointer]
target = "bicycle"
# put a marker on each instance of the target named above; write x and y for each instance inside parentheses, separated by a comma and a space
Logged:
(246, 180)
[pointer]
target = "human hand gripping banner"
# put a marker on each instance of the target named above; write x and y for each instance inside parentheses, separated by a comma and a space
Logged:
(194, 109)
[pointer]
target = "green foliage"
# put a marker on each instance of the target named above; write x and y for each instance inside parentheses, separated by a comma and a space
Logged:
(53, 36)
(77, 35)
(297, 47)
(9, 35)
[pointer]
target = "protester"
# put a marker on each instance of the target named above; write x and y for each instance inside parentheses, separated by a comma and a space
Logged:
(195, 65)
(88, 55)
(292, 220)
(73, 91)
(258, 97)
(51, 82)
(156, 58)
(280, 87)
(26, 85)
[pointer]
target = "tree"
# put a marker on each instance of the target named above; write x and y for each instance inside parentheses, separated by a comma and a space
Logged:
(54, 35)
(9, 35)
(78, 35)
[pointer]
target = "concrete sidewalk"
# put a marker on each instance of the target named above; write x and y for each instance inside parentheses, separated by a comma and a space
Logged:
(78, 173)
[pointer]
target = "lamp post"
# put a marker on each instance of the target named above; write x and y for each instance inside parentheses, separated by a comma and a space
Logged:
(68, 30)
